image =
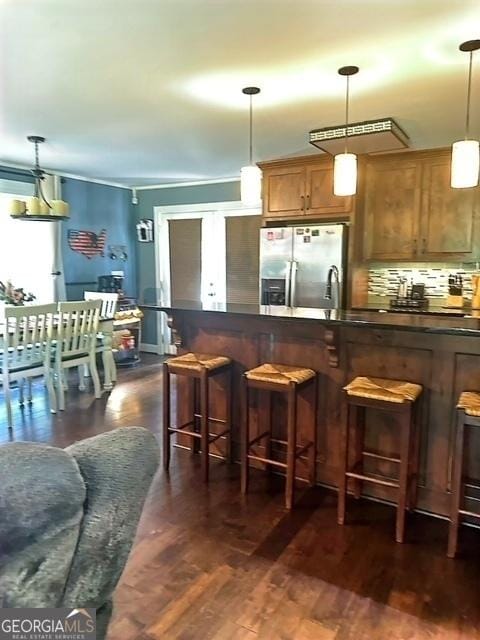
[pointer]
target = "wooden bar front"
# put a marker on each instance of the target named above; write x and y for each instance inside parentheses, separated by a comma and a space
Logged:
(443, 363)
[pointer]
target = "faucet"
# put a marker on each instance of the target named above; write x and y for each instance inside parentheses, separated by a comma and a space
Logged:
(333, 271)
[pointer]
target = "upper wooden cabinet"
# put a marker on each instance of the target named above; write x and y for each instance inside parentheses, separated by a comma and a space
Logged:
(411, 212)
(448, 215)
(392, 206)
(284, 192)
(302, 187)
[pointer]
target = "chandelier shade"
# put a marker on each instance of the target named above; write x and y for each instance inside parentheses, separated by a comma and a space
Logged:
(345, 174)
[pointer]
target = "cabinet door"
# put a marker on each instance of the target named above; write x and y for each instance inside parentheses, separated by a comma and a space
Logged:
(320, 200)
(448, 215)
(284, 192)
(392, 207)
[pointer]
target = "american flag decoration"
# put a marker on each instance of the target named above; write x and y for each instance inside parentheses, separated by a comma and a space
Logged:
(88, 243)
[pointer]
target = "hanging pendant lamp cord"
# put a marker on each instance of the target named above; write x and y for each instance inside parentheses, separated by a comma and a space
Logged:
(469, 91)
(251, 131)
(346, 113)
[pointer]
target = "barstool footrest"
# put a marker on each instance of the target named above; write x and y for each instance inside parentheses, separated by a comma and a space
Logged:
(196, 434)
(377, 456)
(470, 514)
(216, 436)
(277, 463)
(199, 415)
(258, 438)
(373, 479)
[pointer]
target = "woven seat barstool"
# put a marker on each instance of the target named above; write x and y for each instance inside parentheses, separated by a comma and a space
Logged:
(291, 381)
(200, 368)
(401, 399)
(468, 417)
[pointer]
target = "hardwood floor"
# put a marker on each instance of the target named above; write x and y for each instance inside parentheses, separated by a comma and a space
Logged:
(210, 564)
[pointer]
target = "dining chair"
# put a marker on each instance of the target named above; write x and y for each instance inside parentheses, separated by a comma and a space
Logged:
(76, 344)
(105, 335)
(26, 351)
(109, 302)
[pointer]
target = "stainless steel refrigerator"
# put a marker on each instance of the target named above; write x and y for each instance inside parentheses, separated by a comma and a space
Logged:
(300, 266)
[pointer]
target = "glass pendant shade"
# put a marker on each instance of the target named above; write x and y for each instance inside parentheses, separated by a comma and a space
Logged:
(251, 185)
(465, 164)
(345, 174)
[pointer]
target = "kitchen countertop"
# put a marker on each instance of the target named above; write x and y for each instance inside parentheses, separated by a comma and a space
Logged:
(441, 324)
(429, 311)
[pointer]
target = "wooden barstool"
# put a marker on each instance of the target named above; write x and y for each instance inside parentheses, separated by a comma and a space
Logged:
(200, 368)
(468, 415)
(394, 396)
(289, 380)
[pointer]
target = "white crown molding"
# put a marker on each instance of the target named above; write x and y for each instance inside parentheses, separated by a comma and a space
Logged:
(10, 165)
(194, 183)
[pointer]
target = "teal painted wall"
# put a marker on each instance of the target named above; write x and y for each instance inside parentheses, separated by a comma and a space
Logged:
(94, 207)
(147, 200)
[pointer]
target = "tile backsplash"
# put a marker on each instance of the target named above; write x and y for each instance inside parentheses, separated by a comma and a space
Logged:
(383, 280)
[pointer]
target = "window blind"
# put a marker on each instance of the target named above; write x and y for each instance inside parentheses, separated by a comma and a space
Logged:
(185, 239)
(242, 249)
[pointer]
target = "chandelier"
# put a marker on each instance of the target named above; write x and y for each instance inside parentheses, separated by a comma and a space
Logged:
(39, 207)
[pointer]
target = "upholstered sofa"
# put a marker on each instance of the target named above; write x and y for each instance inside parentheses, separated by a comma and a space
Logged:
(68, 519)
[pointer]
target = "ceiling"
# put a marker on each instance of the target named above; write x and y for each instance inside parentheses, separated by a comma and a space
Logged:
(143, 92)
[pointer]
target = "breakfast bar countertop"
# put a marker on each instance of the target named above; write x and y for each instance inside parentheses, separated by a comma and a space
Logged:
(468, 325)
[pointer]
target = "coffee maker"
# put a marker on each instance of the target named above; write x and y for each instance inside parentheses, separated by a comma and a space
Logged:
(110, 284)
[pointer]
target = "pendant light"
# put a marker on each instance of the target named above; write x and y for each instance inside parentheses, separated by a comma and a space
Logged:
(345, 164)
(466, 153)
(251, 175)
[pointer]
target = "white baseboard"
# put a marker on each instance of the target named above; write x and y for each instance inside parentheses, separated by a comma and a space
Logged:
(150, 348)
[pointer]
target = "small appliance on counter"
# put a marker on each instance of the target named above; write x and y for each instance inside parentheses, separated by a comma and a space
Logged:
(410, 298)
(455, 291)
(110, 284)
(476, 291)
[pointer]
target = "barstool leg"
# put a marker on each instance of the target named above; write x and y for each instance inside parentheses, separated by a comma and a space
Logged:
(229, 415)
(342, 479)
(204, 425)
(166, 416)
(457, 489)
(245, 437)
(195, 445)
(406, 429)
(268, 438)
(291, 446)
(359, 440)
(312, 452)
(415, 459)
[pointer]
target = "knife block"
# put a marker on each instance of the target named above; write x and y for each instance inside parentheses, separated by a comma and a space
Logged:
(455, 302)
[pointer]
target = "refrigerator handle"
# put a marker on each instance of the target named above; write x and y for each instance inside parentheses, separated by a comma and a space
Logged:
(293, 282)
(288, 282)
